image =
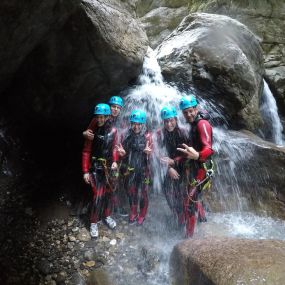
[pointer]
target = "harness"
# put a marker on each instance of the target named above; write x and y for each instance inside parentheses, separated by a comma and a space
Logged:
(136, 160)
(101, 164)
(205, 184)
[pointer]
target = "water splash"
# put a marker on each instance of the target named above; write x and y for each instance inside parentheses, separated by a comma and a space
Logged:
(243, 225)
(270, 115)
(151, 94)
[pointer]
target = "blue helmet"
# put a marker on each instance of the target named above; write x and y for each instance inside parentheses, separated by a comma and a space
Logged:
(116, 100)
(168, 112)
(188, 102)
(138, 116)
(102, 109)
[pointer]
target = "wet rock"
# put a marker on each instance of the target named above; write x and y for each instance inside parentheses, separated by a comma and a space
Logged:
(83, 235)
(222, 59)
(71, 238)
(262, 183)
(266, 20)
(228, 261)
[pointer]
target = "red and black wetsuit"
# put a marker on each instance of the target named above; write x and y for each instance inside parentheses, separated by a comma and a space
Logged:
(97, 155)
(138, 165)
(201, 140)
(173, 189)
(119, 197)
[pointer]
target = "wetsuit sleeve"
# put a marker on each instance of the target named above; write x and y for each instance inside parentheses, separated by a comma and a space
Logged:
(115, 154)
(204, 130)
(86, 155)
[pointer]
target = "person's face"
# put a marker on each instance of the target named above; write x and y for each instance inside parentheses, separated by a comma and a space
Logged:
(190, 114)
(115, 110)
(136, 127)
(170, 124)
(101, 119)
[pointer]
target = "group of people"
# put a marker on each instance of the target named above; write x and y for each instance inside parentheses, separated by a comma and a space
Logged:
(108, 159)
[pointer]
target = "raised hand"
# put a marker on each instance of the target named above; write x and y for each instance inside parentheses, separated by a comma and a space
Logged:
(148, 148)
(189, 151)
(121, 151)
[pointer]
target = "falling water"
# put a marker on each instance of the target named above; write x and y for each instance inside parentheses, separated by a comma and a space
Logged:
(270, 115)
(155, 240)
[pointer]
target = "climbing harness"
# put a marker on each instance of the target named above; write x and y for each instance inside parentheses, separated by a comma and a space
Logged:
(209, 168)
(103, 165)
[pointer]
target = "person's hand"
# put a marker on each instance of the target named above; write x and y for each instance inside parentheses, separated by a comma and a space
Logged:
(173, 173)
(114, 166)
(86, 178)
(167, 161)
(120, 150)
(88, 134)
(189, 151)
(148, 148)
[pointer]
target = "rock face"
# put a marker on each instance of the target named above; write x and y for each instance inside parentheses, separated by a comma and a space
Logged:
(220, 57)
(160, 22)
(249, 174)
(228, 261)
(267, 20)
(61, 66)
(158, 18)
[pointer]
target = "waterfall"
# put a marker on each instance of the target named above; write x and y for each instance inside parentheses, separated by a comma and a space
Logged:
(152, 93)
(270, 115)
(234, 216)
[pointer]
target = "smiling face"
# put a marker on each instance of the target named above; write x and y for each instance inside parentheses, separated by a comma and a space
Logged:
(101, 119)
(115, 110)
(170, 124)
(136, 127)
(190, 114)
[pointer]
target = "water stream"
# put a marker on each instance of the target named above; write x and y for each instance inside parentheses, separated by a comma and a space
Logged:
(273, 127)
(143, 257)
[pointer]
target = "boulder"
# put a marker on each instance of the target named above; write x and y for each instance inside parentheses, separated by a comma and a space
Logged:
(267, 20)
(228, 261)
(220, 58)
(249, 174)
